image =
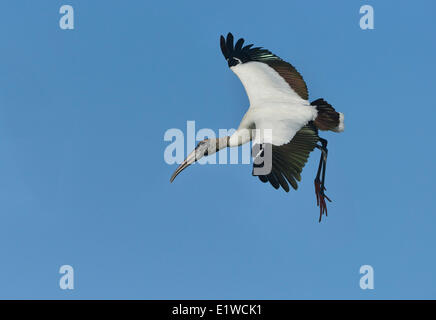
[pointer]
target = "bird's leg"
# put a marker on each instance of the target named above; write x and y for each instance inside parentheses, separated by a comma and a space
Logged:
(319, 183)
(318, 186)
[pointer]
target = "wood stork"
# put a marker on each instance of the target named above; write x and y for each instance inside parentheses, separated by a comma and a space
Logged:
(278, 99)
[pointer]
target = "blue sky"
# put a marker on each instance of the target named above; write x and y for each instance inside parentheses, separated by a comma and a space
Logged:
(83, 180)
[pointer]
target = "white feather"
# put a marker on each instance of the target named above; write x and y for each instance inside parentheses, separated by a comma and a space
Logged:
(341, 125)
(283, 119)
(274, 105)
(263, 84)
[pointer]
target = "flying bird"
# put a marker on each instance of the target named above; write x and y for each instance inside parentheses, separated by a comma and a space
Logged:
(279, 102)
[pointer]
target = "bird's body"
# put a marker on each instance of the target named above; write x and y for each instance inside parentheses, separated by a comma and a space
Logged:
(279, 104)
(292, 118)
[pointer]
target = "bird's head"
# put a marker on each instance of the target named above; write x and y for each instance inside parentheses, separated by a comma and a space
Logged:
(204, 148)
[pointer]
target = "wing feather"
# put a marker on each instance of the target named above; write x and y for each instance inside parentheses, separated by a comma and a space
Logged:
(281, 77)
(288, 160)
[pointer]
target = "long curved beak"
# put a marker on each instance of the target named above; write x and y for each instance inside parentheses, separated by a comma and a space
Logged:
(190, 159)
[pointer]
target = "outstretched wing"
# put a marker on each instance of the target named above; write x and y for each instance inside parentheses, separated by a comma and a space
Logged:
(265, 76)
(289, 159)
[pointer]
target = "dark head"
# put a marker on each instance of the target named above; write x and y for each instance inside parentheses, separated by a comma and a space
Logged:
(204, 148)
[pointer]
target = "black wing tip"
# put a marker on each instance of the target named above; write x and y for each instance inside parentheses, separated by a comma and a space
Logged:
(274, 183)
(224, 47)
(226, 44)
(231, 49)
(226, 38)
(244, 53)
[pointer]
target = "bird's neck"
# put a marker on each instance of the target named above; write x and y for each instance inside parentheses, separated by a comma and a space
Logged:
(222, 143)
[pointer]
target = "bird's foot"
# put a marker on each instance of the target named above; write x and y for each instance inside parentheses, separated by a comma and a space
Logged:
(320, 198)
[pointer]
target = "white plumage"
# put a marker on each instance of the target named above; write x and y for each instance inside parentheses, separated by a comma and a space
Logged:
(279, 105)
(274, 105)
(264, 85)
